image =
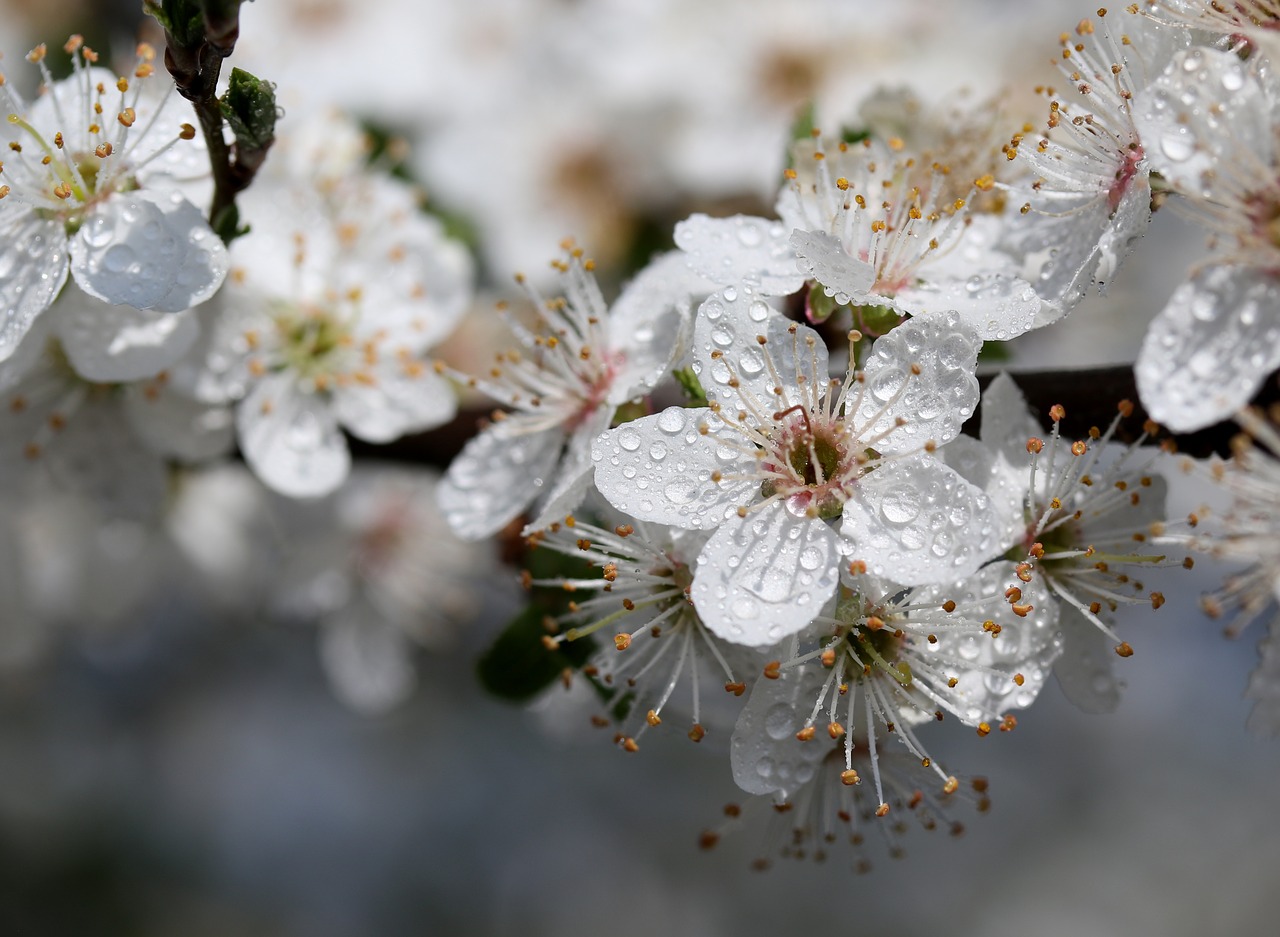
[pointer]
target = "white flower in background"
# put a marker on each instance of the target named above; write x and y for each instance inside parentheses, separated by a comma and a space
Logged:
(378, 570)
(1090, 198)
(891, 659)
(334, 298)
(92, 183)
(876, 225)
(1211, 121)
(85, 399)
(782, 452)
(581, 361)
(1084, 517)
(641, 595)
(1248, 534)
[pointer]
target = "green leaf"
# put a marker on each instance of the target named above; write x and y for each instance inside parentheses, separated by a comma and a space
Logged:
(227, 224)
(518, 666)
(692, 387)
(803, 124)
(250, 108)
(992, 352)
(821, 306)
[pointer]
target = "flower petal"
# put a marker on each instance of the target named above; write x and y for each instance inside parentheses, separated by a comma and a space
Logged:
(112, 344)
(368, 661)
(933, 403)
(917, 521)
(33, 267)
(577, 473)
(150, 251)
(171, 424)
(650, 323)
(741, 249)
(765, 754)
(763, 577)
(291, 439)
(1211, 348)
(660, 468)
(750, 358)
(496, 476)
(1084, 670)
(1206, 109)
(403, 395)
(995, 305)
(823, 258)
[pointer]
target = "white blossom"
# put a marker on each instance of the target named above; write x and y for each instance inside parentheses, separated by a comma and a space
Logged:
(582, 361)
(93, 184)
(782, 450)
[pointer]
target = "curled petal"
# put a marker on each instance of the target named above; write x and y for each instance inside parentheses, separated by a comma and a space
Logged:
(996, 306)
(113, 344)
(650, 323)
(823, 258)
(1084, 670)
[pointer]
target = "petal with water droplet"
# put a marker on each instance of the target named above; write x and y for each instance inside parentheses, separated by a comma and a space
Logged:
(291, 439)
(741, 249)
(31, 279)
(763, 577)
(823, 258)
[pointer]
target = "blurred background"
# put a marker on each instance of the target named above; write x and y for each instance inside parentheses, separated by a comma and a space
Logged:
(201, 732)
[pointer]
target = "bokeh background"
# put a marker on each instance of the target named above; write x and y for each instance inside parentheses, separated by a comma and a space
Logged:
(174, 758)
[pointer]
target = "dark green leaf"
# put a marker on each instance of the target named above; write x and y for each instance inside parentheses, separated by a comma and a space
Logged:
(518, 665)
(691, 386)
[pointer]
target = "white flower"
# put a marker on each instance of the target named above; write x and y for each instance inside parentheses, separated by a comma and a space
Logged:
(378, 570)
(782, 450)
(107, 434)
(335, 296)
(1085, 518)
(1246, 23)
(1091, 197)
(582, 361)
(877, 226)
(91, 184)
(890, 659)
(642, 594)
(1211, 123)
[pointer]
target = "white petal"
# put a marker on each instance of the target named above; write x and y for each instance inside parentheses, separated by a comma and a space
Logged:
(741, 249)
(996, 306)
(650, 324)
(404, 396)
(148, 250)
(1128, 223)
(659, 468)
(765, 754)
(823, 258)
(1211, 348)
(1026, 645)
(917, 521)
(1208, 108)
(174, 425)
(734, 366)
(1007, 422)
(1005, 484)
(368, 661)
(763, 577)
(496, 476)
(1084, 670)
(577, 473)
(934, 403)
(33, 267)
(291, 439)
(112, 344)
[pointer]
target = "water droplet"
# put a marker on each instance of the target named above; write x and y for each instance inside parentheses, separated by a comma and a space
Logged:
(658, 451)
(900, 505)
(810, 558)
(729, 293)
(1177, 144)
(628, 439)
(758, 311)
(779, 721)
(681, 491)
(118, 258)
(748, 234)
